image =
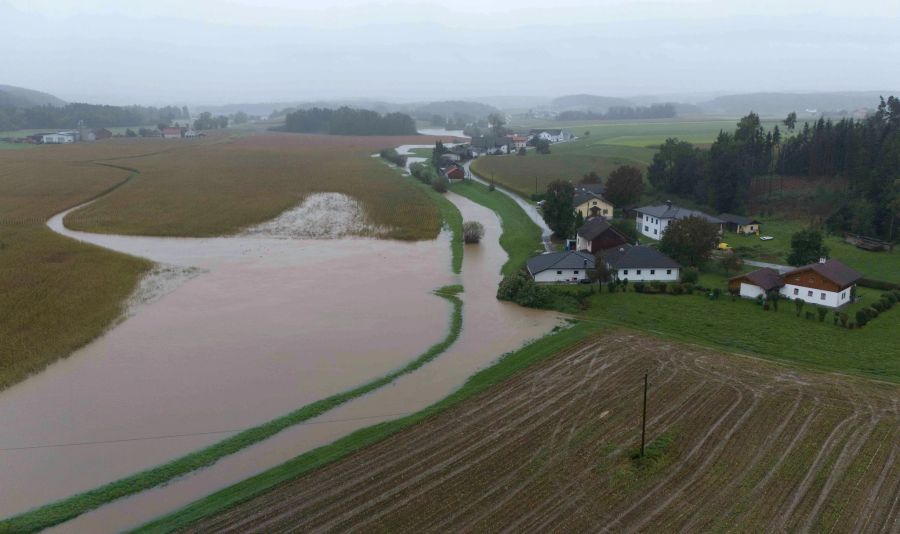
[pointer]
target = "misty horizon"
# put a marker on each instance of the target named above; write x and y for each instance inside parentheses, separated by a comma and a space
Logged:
(212, 54)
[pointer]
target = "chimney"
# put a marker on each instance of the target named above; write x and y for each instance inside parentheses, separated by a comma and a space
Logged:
(823, 259)
(669, 204)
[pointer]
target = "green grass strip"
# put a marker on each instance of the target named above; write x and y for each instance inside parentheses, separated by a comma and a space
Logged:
(452, 218)
(507, 366)
(521, 238)
(66, 509)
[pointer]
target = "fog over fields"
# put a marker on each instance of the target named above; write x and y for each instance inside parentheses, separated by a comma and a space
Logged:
(206, 52)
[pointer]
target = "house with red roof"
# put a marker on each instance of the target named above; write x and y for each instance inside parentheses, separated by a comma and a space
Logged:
(826, 283)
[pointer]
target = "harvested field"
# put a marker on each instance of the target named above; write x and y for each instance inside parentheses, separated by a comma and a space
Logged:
(735, 443)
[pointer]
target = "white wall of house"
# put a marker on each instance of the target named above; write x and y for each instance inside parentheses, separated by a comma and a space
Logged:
(819, 297)
(582, 244)
(58, 139)
(649, 275)
(561, 275)
(751, 291)
(649, 226)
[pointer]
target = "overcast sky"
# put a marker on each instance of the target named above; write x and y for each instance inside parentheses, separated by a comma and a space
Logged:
(206, 51)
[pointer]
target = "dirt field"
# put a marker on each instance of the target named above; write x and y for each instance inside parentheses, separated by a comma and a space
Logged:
(736, 444)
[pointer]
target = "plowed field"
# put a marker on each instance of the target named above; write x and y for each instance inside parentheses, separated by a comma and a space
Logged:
(735, 444)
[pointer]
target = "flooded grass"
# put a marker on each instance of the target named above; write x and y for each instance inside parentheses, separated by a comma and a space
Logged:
(58, 512)
(509, 365)
(521, 238)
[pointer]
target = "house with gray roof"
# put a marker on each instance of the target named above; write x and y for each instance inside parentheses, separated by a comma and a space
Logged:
(640, 263)
(652, 221)
(565, 266)
(826, 283)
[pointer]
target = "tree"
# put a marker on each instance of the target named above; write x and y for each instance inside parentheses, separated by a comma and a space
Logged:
(600, 273)
(522, 151)
(731, 263)
(806, 247)
(240, 117)
(626, 228)
(473, 231)
(690, 241)
(541, 146)
(625, 185)
(591, 178)
(790, 122)
(497, 124)
(678, 167)
(579, 220)
(559, 213)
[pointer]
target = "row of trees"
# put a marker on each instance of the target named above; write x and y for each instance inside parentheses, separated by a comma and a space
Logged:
(653, 111)
(349, 121)
(91, 115)
(865, 152)
(206, 121)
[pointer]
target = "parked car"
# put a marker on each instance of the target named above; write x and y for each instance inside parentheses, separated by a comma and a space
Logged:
(766, 238)
(724, 246)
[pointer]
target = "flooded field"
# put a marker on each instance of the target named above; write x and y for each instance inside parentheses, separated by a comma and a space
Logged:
(271, 325)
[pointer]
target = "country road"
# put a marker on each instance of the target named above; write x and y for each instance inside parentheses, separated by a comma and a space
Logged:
(530, 209)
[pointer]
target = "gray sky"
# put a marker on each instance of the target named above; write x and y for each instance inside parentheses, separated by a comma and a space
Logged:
(204, 51)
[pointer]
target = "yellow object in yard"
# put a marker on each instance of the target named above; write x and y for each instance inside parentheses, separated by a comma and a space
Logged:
(724, 246)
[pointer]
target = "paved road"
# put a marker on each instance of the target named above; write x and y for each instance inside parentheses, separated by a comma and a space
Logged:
(780, 268)
(530, 209)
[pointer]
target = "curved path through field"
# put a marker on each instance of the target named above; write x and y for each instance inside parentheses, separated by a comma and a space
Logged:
(270, 326)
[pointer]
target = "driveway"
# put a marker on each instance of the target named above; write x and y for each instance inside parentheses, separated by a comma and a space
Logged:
(780, 268)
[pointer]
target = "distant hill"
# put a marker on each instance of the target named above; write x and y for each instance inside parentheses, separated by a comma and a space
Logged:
(265, 108)
(453, 108)
(19, 97)
(589, 103)
(779, 104)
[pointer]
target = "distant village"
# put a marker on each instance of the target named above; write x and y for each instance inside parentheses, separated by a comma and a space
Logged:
(87, 135)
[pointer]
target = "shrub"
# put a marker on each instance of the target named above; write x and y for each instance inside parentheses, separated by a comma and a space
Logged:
(491, 187)
(715, 293)
(440, 185)
(690, 275)
(658, 287)
(891, 297)
(822, 312)
(873, 313)
(862, 318)
(521, 289)
(844, 318)
(391, 155)
(878, 306)
(638, 287)
(688, 288)
(851, 325)
(886, 303)
(473, 231)
(810, 316)
(611, 286)
(765, 306)
(675, 289)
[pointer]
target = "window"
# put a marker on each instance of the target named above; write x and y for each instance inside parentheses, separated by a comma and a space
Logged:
(646, 228)
(668, 271)
(843, 295)
(654, 231)
(652, 271)
(796, 291)
(576, 272)
(625, 271)
(822, 297)
(809, 293)
(558, 272)
(639, 271)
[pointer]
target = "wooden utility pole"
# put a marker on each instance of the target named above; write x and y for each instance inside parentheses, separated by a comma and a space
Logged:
(644, 416)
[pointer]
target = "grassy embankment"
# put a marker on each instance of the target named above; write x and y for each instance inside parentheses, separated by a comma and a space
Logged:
(506, 367)
(521, 238)
(63, 510)
(56, 294)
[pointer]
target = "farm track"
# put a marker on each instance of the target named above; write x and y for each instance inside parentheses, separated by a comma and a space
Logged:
(757, 447)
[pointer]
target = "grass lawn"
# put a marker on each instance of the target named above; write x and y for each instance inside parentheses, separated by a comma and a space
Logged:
(877, 265)
(521, 238)
(741, 325)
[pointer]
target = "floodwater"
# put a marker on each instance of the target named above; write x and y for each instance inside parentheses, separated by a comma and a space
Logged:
(272, 325)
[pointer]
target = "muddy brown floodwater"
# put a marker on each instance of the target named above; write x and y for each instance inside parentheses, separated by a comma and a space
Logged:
(272, 324)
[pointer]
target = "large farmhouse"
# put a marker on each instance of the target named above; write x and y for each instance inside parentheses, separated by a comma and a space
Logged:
(652, 221)
(638, 263)
(60, 138)
(827, 283)
(565, 266)
(557, 135)
(597, 234)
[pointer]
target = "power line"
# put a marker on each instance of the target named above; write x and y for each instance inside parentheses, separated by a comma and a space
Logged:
(172, 436)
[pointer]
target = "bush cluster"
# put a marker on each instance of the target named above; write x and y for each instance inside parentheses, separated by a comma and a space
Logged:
(391, 155)
(521, 289)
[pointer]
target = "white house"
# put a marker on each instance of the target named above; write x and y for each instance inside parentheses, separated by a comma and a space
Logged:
(826, 283)
(557, 135)
(756, 283)
(59, 138)
(638, 263)
(566, 266)
(652, 221)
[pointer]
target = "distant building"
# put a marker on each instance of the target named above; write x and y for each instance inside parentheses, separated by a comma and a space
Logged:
(739, 224)
(553, 135)
(518, 141)
(454, 172)
(171, 133)
(59, 138)
(597, 235)
(190, 134)
(487, 144)
(755, 283)
(652, 221)
(101, 133)
(640, 263)
(566, 266)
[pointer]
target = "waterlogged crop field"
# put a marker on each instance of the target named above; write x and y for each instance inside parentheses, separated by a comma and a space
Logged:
(216, 189)
(733, 442)
(55, 294)
(609, 145)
